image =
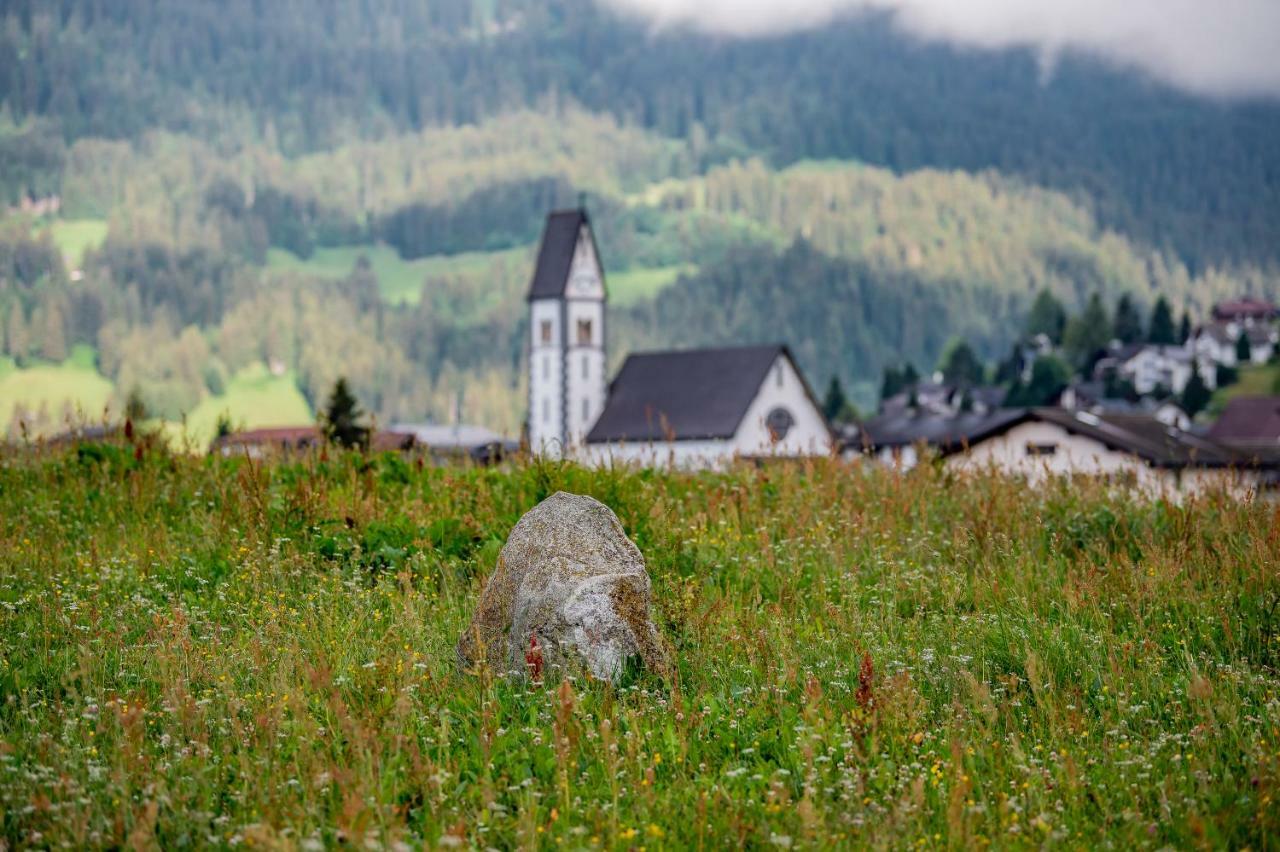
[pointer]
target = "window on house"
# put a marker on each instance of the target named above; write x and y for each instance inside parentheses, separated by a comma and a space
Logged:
(778, 371)
(546, 410)
(584, 332)
(546, 368)
(545, 331)
(1034, 449)
(779, 422)
(586, 368)
(586, 409)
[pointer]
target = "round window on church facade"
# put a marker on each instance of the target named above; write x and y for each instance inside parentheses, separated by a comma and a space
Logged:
(779, 422)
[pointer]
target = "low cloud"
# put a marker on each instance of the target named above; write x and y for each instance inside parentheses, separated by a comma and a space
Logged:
(1211, 47)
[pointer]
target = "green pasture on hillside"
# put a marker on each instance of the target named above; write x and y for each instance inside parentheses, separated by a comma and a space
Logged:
(254, 399)
(208, 652)
(400, 281)
(50, 392)
(74, 237)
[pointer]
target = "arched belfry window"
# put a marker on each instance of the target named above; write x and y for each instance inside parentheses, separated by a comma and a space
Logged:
(584, 332)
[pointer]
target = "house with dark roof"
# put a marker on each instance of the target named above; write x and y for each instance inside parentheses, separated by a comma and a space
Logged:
(1249, 421)
(1038, 444)
(690, 407)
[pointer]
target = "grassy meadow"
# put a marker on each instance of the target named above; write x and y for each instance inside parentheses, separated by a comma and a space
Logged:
(212, 652)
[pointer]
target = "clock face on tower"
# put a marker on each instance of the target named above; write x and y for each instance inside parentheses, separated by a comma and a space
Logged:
(583, 283)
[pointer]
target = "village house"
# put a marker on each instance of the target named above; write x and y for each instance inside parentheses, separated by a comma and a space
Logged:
(688, 408)
(1134, 450)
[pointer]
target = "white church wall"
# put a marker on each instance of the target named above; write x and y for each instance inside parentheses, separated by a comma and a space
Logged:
(585, 367)
(807, 436)
(545, 376)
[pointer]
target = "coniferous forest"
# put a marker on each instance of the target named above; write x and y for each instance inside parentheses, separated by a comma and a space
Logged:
(206, 198)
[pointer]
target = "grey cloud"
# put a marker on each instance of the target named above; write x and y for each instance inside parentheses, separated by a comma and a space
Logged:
(1211, 47)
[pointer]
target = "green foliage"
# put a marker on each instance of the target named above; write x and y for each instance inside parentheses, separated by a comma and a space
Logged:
(1244, 350)
(836, 406)
(960, 365)
(1161, 328)
(1128, 321)
(1049, 378)
(1087, 335)
(203, 67)
(343, 418)
(1196, 394)
(1047, 316)
(275, 642)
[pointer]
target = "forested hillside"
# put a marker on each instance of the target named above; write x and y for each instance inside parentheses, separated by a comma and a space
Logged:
(321, 188)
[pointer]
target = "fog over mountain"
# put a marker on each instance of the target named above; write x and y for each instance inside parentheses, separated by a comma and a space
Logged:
(1225, 48)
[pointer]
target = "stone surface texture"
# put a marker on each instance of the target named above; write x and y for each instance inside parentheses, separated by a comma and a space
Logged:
(570, 588)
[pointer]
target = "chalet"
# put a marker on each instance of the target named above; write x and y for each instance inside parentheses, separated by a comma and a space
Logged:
(693, 408)
(1246, 312)
(1217, 342)
(1037, 444)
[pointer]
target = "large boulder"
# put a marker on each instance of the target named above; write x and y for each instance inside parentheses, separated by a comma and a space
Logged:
(570, 589)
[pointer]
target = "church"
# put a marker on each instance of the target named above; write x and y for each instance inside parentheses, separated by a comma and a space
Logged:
(688, 408)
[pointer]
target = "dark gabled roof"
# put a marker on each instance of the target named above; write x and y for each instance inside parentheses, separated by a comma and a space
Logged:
(1250, 420)
(946, 434)
(555, 254)
(696, 394)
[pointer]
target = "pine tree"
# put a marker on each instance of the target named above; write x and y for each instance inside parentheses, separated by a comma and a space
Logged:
(1088, 334)
(890, 382)
(1244, 350)
(835, 404)
(1128, 323)
(342, 417)
(1184, 329)
(1047, 317)
(1195, 396)
(1161, 329)
(1049, 378)
(960, 366)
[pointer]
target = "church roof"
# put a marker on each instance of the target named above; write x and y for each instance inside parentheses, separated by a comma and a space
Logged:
(697, 394)
(555, 255)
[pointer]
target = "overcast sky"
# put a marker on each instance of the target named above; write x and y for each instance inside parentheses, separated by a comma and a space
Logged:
(1214, 47)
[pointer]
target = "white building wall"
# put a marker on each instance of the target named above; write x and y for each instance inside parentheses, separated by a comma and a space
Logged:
(783, 388)
(585, 368)
(546, 377)
(1079, 455)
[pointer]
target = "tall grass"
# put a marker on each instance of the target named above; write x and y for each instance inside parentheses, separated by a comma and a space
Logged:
(210, 652)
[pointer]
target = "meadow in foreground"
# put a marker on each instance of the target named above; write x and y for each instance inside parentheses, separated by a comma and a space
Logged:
(200, 652)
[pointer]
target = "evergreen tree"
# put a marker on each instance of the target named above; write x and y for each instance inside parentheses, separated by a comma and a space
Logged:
(1184, 329)
(1161, 329)
(1047, 316)
(1087, 335)
(835, 405)
(342, 418)
(1128, 323)
(1195, 396)
(891, 382)
(960, 365)
(910, 378)
(1049, 378)
(1244, 350)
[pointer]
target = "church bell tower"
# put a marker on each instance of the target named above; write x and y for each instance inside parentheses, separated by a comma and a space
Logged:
(567, 382)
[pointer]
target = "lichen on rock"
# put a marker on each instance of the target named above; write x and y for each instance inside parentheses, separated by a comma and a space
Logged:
(571, 584)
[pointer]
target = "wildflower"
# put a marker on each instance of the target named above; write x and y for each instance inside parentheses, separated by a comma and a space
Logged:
(655, 830)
